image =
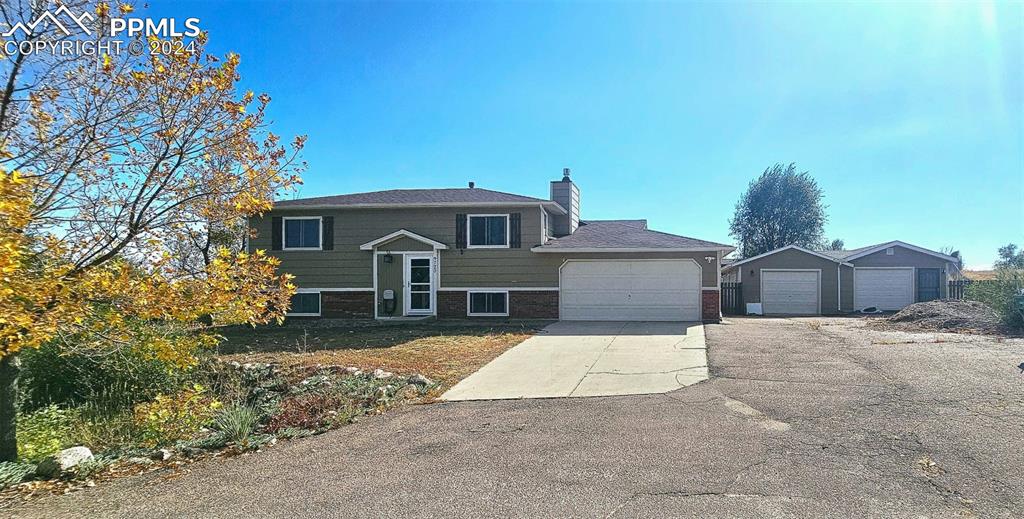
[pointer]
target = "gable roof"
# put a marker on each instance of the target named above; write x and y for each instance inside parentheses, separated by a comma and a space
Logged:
(864, 251)
(418, 198)
(845, 256)
(402, 232)
(788, 247)
(625, 236)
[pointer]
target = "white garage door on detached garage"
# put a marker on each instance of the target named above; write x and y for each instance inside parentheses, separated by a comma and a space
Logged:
(791, 292)
(883, 288)
(630, 290)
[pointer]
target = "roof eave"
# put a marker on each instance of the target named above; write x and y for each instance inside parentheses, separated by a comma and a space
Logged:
(564, 250)
(543, 203)
(898, 243)
(788, 247)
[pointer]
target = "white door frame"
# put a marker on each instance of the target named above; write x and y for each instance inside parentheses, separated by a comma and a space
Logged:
(407, 282)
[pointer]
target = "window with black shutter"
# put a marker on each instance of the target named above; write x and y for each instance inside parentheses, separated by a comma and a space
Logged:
(488, 230)
(302, 233)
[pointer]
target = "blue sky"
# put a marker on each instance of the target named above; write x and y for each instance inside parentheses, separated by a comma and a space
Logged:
(909, 115)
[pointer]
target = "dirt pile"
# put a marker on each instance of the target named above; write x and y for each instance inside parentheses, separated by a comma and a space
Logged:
(947, 315)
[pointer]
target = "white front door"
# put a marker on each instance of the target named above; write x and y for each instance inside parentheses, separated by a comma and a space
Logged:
(419, 284)
(883, 288)
(630, 290)
(790, 292)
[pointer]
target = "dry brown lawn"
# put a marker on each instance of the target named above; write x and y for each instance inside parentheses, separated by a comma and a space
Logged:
(443, 353)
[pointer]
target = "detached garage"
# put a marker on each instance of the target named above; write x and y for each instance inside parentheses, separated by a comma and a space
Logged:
(797, 281)
(630, 290)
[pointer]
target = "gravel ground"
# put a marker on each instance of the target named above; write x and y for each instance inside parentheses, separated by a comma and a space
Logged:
(804, 417)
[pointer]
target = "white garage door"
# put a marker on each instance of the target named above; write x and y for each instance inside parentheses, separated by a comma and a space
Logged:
(790, 292)
(635, 290)
(883, 288)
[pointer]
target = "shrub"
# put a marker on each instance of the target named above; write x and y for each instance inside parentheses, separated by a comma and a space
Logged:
(237, 423)
(1002, 294)
(50, 376)
(312, 411)
(12, 473)
(45, 432)
(171, 418)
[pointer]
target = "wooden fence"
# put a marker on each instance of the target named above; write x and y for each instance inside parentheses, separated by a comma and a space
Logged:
(732, 299)
(958, 288)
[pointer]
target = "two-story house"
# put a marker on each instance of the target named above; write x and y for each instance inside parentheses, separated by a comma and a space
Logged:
(472, 252)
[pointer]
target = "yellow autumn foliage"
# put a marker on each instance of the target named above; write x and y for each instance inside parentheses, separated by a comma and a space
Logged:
(42, 298)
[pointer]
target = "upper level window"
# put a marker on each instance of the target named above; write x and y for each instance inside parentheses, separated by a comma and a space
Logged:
(488, 230)
(302, 233)
(890, 251)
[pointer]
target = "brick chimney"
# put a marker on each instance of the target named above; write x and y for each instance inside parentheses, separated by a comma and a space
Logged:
(567, 194)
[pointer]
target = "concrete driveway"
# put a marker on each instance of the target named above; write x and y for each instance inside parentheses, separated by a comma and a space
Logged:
(578, 358)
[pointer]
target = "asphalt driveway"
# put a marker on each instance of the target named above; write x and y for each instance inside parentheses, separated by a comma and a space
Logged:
(576, 358)
(819, 418)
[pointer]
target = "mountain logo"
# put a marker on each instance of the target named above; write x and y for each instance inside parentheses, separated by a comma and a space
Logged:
(54, 19)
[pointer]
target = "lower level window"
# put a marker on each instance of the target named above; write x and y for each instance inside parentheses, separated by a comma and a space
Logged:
(305, 303)
(488, 303)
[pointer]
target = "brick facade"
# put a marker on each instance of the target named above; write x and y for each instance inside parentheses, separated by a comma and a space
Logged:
(451, 305)
(540, 304)
(347, 305)
(710, 306)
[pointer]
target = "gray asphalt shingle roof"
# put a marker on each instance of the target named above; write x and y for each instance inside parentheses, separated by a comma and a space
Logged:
(413, 196)
(842, 254)
(625, 234)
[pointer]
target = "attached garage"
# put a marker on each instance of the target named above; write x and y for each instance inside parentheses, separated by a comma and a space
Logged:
(630, 290)
(886, 288)
(791, 292)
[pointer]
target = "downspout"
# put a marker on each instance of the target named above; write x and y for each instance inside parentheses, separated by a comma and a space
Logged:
(839, 287)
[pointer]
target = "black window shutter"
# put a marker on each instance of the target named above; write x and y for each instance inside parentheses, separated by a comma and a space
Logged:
(515, 241)
(275, 233)
(460, 231)
(327, 232)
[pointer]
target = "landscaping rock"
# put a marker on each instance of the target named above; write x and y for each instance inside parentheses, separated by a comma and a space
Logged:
(352, 370)
(380, 374)
(140, 461)
(161, 455)
(420, 380)
(64, 460)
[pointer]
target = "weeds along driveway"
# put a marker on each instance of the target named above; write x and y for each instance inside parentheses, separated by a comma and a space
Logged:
(820, 418)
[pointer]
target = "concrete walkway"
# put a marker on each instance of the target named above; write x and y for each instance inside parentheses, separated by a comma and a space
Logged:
(575, 358)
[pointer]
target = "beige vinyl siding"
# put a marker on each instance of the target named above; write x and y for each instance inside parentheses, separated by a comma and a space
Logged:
(794, 259)
(390, 277)
(348, 267)
(903, 257)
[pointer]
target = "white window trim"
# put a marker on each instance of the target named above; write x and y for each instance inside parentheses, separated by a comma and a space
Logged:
(469, 304)
(284, 234)
(469, 234)
(319, 304)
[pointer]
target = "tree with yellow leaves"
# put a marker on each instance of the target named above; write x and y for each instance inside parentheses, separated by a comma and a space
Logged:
(113, 169)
